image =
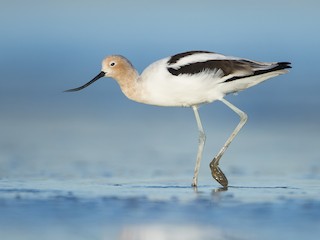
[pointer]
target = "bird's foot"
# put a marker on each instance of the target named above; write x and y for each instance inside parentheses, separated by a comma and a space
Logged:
(217, 174)
(194, 183)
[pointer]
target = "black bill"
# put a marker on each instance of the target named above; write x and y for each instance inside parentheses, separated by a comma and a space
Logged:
(100, 75)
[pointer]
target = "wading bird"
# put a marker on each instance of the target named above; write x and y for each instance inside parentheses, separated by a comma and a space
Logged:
(191, 79)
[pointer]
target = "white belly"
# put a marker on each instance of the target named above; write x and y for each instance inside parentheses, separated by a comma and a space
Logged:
(159, 87)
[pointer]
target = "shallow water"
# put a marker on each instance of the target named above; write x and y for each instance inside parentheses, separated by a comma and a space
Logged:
(157, 209)
(90, 179)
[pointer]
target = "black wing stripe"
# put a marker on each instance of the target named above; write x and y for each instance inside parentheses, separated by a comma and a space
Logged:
(226, 66)
(177, 57)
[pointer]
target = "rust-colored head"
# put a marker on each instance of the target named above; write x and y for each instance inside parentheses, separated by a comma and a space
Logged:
(114, 66)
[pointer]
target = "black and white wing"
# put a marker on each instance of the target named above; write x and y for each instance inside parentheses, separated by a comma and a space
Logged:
(228, 68)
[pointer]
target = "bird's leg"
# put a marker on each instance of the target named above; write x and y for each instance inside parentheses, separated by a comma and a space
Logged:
(202, 140)
(216, 172)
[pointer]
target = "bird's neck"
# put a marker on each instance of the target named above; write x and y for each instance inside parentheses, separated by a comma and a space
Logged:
(128, 82)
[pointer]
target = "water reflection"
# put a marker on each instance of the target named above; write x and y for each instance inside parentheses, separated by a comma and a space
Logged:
(172, 232)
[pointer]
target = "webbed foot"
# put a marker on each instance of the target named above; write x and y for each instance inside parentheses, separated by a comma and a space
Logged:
(217, 174)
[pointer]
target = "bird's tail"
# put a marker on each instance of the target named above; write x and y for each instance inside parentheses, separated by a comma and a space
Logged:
(275, 67)
(282, 65)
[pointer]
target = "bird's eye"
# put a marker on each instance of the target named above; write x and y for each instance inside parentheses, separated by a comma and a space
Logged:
(112, 64)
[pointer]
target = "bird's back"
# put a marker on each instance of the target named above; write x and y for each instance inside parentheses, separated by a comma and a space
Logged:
(198, 77)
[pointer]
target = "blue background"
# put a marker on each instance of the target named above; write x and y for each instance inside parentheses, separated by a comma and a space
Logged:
(49, 46)
(95, 165)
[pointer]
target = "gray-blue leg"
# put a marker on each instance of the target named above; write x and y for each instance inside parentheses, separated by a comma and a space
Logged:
(216, 172)
(202, 140)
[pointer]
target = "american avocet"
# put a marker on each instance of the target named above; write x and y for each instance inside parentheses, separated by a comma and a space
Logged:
(191, 79)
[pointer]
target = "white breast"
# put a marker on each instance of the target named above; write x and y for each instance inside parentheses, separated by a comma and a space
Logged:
(159, 87)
